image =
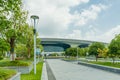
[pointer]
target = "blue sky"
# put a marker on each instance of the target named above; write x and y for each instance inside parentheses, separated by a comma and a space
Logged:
(97, 20)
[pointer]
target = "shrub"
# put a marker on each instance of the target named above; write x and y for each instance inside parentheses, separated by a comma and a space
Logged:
(14, 63)
(1, 58)
(19, 58)
(19, 63)
(5, 74)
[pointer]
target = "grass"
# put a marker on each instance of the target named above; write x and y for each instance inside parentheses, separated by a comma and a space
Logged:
(4, 63)
(71, 58)
(31, 76)
(5, 59)
(5, 74)
(117, 65)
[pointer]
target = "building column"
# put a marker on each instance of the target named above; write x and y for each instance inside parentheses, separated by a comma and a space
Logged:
(74, 45)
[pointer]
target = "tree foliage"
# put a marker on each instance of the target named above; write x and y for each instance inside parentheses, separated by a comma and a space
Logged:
(82, 51)
(14, 30)
(73, 52)
(114, 47)
(28, 39)
(93, 48)
(4, 46)
(12, 18)
(103, 52)
(21, 50)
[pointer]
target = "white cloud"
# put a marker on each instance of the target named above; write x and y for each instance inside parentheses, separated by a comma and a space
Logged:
(105, 37)
(92, 34)
(55, 17)
(66, 3)
(87, 14)
(109, 35)
(76, 34)
(54, 14)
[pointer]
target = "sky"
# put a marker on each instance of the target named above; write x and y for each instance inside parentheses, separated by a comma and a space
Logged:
(94, 20)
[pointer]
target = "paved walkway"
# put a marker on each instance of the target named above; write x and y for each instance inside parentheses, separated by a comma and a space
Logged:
(63, 70)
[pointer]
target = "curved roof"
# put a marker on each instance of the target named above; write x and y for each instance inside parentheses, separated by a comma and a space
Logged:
(68, 41)
(60, 44)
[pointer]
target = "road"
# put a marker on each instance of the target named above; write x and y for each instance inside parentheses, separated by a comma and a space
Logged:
(63, 70)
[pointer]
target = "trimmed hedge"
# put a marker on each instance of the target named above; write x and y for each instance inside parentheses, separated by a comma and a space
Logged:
(6, 73)
(14, 63)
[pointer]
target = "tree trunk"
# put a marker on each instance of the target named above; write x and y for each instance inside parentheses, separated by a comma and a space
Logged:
(96, 58)
(12, 42)
(65, 56)
(29, 53)
(113, 60)
(12, 57)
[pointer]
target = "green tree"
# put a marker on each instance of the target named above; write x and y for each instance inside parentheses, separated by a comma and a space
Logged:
(41, 48)
(93, 49)
(28, 39)
(13, 18)
(114, 48)
(21, 50)
(4, 46)
(82, 51)
(103, 52)
(71, 52)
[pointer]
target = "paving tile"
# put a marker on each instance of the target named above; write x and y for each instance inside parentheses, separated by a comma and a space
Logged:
(63, 70)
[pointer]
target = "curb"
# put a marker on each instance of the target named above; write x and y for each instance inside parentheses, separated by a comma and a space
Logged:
(50, 74)
(105, 68)
(44, 72)
(16, 77)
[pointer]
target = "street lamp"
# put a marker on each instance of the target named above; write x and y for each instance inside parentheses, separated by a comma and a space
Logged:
(77, 54)
(35, 18)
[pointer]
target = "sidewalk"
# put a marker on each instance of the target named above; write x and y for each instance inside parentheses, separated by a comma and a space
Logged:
(63, 70)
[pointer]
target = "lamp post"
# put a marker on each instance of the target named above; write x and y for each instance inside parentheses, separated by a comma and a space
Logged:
(77, 54)
(34, 17)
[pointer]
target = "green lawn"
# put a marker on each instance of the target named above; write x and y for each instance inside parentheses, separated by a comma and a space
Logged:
(5, 74)
(117, 65)
(31, 76)
(5, 59)
(71, 58)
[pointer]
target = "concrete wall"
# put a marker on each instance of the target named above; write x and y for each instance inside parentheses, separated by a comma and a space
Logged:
(15, 77)
(21, 69)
